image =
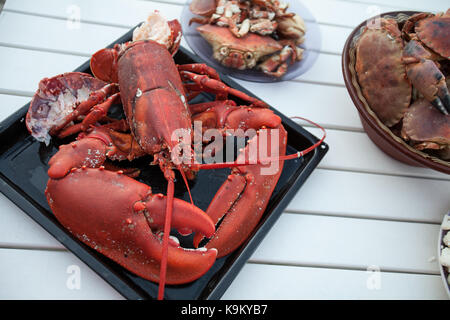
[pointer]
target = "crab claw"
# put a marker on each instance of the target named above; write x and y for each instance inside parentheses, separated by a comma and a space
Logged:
(120, 218)
(203, 7)
(426, 76)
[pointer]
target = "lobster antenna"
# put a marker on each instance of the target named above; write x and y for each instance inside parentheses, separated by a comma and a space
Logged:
(165, 242)
(167, 227)
(186, 183)
(297, 155)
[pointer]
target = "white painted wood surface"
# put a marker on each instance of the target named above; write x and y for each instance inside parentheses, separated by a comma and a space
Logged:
(360, 212)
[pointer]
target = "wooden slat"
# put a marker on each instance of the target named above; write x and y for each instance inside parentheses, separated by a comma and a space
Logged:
(374, 196)
(339, 13)
(268, 282)
(85, 40)
(333, 38)
(47, 276)
(122, 12)
(366, 158)
(18, 230)
(82, 42)
(326, 192)
(10, 104)
(330, 106)
(433, 5)
(25, 68)
(116, 12)
(319, 241)
(354, 151)
(331, 236)
(302, 239)
(42, 275)
(59, 35)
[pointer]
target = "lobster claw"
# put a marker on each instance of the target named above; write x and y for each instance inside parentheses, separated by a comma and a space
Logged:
(120, 217)
(240, 202)
(243, 197)
(86, 152)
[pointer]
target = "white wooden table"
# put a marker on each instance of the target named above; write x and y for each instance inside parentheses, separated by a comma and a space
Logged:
(363, 226)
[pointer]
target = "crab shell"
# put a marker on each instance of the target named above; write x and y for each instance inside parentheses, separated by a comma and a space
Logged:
(56, 98)
(381, 73)
(240, 53)
(434, 32)
(426, 127)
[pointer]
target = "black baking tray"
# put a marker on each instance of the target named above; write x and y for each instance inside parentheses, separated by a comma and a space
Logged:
(23, 178)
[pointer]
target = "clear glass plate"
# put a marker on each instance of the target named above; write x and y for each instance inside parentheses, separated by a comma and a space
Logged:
(311, 46)
(444, 273)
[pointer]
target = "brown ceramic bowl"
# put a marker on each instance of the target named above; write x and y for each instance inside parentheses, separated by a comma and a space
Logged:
(381, 135)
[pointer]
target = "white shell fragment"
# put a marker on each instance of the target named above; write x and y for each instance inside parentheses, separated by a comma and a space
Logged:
(155, 28)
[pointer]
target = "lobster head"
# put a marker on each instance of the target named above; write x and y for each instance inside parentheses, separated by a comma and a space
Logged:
(156, 28)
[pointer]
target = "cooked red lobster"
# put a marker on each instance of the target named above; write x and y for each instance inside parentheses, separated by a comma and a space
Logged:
(103, 206)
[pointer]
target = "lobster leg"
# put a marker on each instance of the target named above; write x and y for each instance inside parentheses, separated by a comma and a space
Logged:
(218, 87)
(91, 151)
(199, 68)
(84, 107)
(99, 111)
